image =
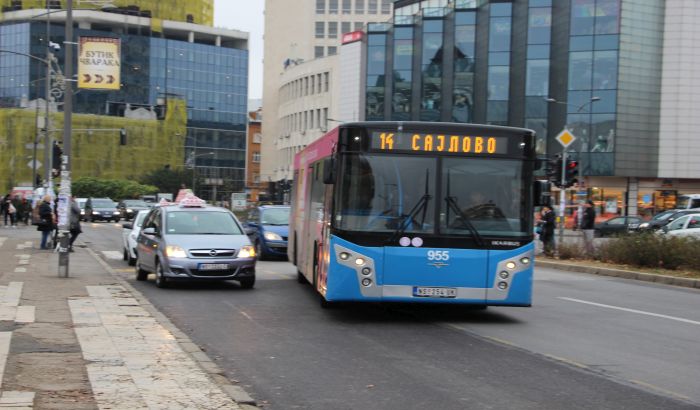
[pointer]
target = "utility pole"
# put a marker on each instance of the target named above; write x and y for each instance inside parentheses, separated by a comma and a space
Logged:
(47, 134)
(64, 198)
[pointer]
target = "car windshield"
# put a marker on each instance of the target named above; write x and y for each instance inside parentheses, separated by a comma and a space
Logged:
(275, 216)
(136, 203)
(662, 216)
(686, 202)
(201, 223)
(139, 219)
(103, 204)
(386, 193)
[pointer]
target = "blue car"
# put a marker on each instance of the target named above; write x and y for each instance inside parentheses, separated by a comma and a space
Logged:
(268, 228)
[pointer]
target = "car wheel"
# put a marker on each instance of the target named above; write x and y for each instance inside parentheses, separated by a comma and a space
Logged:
(247, 283)
(259, 251)
(131, 261)
(141, 274)
(161, 280)
(125, 255)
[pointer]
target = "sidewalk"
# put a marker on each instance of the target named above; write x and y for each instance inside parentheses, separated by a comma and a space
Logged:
(91, 341)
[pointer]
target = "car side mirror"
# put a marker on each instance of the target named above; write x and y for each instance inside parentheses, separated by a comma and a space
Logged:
(329, 171)
(128, 226)
(150, 231)
(249, 231)
(542, 193)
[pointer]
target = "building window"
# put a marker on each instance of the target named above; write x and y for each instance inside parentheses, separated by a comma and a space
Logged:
(332, 29)
(256, 156)
(318, 51)
(256, 178)
(320, 6)
(358, 25)
(359, 6)
(332, 6)
(345, 27)
(332, 50)
(347, 6)
(320, 29)
(372, 7)
(386, 7)
(257, 138)
(325, 82)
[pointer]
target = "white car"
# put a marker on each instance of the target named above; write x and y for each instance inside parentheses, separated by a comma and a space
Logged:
(129, 235)
(687, 225)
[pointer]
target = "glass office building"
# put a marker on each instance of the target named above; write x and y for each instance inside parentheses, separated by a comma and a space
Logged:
(208, 70)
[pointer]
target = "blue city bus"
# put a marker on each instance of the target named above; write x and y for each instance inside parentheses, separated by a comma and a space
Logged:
(417, 212)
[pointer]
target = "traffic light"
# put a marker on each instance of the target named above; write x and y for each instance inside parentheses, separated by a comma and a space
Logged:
(57, 160)
(122, 136)
(554, 170)
(571, 173)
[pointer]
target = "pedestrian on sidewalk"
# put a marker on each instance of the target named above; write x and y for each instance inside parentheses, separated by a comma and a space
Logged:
(5, 207)
(548, 223)
(74, 222)
(46, 221)
(587, 225)
(17, 206)
(12, 211)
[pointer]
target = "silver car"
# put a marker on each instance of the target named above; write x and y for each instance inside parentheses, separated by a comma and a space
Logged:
(194, 242)
(129, 235)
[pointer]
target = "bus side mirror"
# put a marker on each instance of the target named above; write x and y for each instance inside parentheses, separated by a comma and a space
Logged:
(329, 171)
(542, 193)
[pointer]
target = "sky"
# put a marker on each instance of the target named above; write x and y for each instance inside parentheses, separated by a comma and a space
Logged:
(246, 15)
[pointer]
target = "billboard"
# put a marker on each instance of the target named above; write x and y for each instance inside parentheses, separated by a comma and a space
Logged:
(99, 63)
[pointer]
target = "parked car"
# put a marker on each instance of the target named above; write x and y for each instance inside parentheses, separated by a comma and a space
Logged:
(688, 201)
(81, 203)
(130, 207)
(101, 209)
(616, 226)
(687, 225)
(129, 236)
(664, 218)
(268, 229)
(191, 240)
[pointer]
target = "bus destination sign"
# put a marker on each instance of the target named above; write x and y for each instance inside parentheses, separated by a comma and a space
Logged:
(436, 143)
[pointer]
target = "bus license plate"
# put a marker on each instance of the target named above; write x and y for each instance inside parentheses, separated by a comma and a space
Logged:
(423, 292)
(213, 266)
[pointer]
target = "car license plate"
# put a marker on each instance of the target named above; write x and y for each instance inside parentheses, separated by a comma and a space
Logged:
(213, 266)
(423, 292)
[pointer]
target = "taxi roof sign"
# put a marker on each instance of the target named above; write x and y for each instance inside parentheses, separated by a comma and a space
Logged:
(566, 138)
(191, 201)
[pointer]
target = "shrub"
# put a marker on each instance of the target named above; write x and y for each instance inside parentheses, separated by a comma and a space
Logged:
(571, 250)
(111, 188)
(652, 250)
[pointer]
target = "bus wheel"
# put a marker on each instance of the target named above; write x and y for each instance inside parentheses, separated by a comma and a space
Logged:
(301, 278)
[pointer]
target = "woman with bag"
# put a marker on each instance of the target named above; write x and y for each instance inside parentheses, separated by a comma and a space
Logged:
(46, 220)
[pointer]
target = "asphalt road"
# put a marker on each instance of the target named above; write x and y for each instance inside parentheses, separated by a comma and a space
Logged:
(588, 342)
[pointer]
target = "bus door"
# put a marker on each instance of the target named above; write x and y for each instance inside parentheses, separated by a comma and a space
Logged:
(417, 272)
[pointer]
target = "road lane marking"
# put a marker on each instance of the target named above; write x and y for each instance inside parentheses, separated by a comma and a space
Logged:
(640, 312)
(567, 361)
(113, 254)
(661, 390)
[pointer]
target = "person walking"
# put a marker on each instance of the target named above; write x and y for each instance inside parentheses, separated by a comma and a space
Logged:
(548, 222)
(74, 222)
(587, 225)
(16, 205)
(5, 208)
(46, 221)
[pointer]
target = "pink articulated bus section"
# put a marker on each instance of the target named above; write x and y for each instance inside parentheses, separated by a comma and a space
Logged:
(319, 149)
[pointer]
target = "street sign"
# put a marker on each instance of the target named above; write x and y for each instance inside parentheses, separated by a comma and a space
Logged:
(566, 138)
(30, 164)
(238, 201)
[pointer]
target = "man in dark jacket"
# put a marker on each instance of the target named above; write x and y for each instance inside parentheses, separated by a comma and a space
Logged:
(587, 226)
(74, 222)
(548, 225)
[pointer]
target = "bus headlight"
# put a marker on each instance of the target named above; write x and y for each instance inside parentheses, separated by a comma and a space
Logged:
(510, 265)
(359, 261)
(504, 274)
(502, 285)
(344, 256)
(366, 271)
(525, 260)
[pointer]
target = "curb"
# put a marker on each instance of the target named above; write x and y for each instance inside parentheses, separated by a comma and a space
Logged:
(621, 273)
(237, 393)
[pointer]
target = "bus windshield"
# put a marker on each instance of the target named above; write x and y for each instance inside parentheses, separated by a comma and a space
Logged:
(472, 196)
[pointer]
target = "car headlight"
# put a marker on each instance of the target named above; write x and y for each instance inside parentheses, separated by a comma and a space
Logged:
(95, 213)
(644, 225)
(115, 212)
(131, 211)
(173, 251)
(82, 212)
(246, 252)
(271, 236)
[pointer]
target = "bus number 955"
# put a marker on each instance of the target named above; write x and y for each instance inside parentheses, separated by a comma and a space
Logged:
(438, 255)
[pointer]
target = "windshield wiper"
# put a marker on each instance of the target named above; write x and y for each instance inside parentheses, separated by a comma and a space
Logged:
(454, 205)
(422, 204)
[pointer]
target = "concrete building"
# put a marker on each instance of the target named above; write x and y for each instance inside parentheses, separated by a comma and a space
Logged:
(620, 74)
(169, 50)
(254, 188)
(300, 97)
